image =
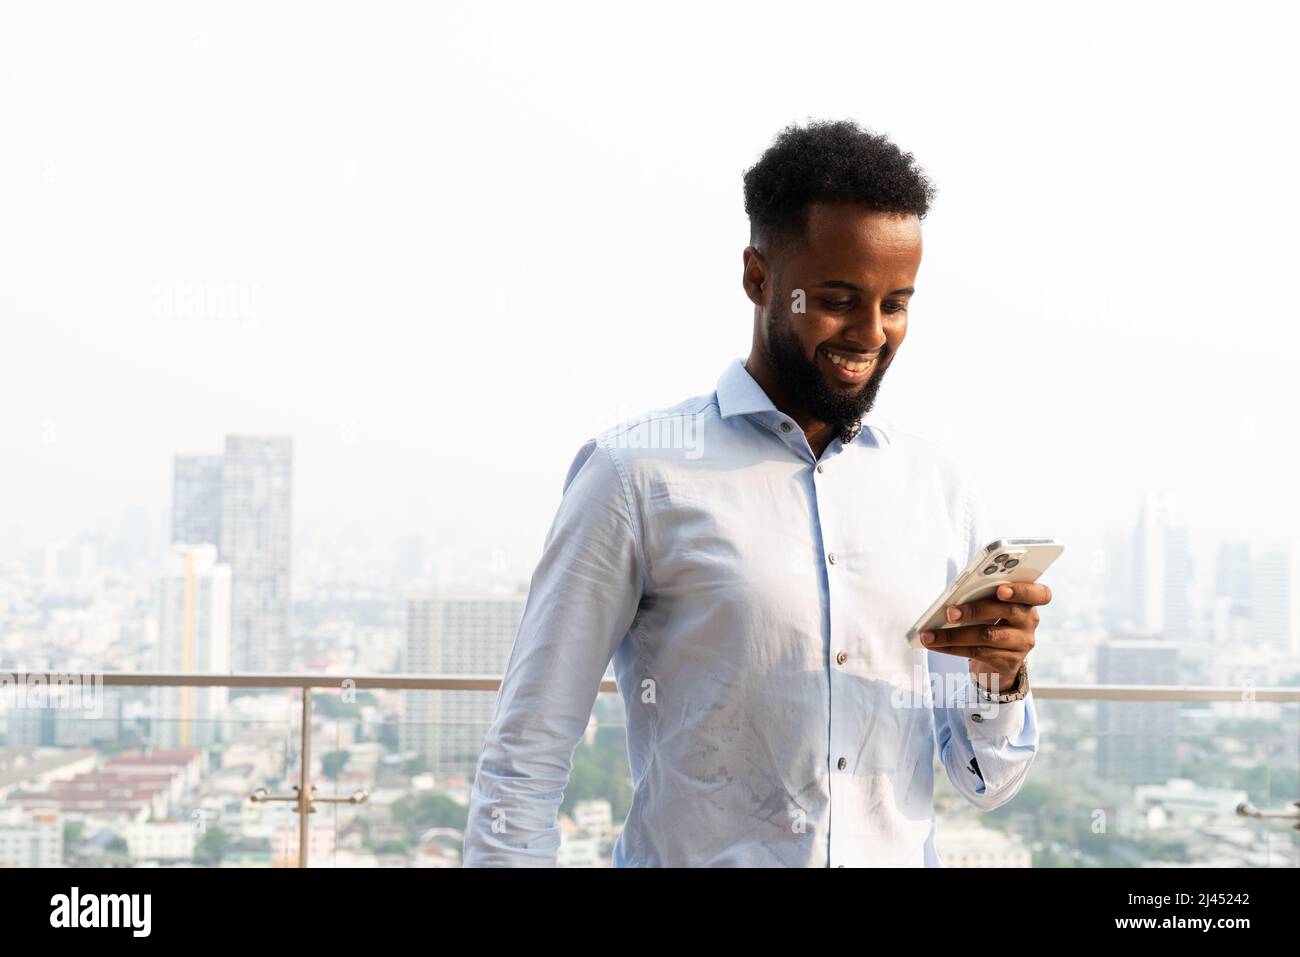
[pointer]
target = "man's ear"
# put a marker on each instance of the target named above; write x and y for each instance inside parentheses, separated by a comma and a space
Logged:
(756, 278)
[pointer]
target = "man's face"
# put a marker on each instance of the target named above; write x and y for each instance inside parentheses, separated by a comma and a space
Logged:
(856, 271)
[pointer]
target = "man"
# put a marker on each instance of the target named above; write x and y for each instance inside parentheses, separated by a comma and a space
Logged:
(752, 559)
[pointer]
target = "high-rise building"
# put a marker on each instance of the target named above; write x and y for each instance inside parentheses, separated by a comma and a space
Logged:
(240, 502)
(1178, 585)
(455, 634)
(1233, 573)
(193, 637)
(196, 500)
(1136, 739)
(66, 717)
(1277, 598)
(1117, 580)
(1234, 596)
(256, 510)
(1148, 568)
(1161, 570)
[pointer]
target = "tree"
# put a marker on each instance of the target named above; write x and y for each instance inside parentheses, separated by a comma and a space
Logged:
(419, 812)
(601, 771)
(332, 763)
(73, 834)
(211, 849)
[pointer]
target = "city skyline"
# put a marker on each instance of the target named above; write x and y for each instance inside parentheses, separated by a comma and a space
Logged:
(312, 309)
(347, 293)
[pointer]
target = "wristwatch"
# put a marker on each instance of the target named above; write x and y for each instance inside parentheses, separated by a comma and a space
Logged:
(1018, 690)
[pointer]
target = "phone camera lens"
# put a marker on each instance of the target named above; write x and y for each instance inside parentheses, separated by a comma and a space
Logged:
(991, 570)
(1001, 558)
(1012, 563)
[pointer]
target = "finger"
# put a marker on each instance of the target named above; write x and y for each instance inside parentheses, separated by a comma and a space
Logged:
(997, 660)
(1025, 593)
(987, 609)
(987, 636)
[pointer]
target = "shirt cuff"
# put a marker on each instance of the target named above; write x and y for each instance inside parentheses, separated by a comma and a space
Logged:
(987, 719)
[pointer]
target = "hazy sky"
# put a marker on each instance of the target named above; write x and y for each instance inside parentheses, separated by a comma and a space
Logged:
(440, 247)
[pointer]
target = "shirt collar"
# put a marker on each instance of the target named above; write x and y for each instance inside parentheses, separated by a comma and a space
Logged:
(739, 394)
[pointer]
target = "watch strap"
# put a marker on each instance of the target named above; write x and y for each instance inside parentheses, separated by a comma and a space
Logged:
(1017, 692)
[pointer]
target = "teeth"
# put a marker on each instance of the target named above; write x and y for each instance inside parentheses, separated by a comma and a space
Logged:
(846, 364)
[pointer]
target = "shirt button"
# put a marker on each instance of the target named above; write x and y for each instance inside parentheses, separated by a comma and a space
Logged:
(841, 658)
(977, 717)
(822, 468)
(831, 558)
(785, 426)
(843, 764)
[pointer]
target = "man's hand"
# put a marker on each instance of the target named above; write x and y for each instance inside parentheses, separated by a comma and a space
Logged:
(995, 648)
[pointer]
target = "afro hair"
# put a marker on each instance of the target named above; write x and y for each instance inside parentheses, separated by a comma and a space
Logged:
(829, 161)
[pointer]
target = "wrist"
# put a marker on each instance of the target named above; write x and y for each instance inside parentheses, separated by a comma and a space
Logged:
(996, 681)
(1008, 688)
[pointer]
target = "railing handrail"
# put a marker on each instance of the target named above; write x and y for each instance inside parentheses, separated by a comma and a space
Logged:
(1060, 692)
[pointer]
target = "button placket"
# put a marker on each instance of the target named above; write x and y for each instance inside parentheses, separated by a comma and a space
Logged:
(839, 723)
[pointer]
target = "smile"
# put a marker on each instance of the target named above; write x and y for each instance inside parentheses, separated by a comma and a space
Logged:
(847, 367)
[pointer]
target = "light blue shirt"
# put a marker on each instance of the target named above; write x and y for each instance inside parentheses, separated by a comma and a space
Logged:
(755, 600)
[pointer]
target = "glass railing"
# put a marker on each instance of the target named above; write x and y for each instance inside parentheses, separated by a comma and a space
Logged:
(1127, 777)
(1139, 783)
(141, 791)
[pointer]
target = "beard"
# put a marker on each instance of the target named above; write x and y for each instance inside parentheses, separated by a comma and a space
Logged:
(807, 385)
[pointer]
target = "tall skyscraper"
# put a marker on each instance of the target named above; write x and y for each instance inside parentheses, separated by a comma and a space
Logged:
(1136, 739)
(196, 500)
(193, 637)
(1161, 571)
(1233, 573)
(1117, 580)
(455, 634)
(1277, 598)
(1234, 595)
(256, 526)
(1148, 566)
(241, 503)
(1178, 585)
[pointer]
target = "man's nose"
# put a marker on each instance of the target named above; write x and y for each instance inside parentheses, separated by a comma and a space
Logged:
(867, 328)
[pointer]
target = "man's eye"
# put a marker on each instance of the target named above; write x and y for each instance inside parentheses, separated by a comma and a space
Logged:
(837, 304)
(895, 307)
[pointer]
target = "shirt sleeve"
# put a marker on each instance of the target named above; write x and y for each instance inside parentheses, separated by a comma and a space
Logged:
(986, 747)
(582, 600)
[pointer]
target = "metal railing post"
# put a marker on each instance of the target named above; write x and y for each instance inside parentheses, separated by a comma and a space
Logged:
(304, 798)
(304, 795)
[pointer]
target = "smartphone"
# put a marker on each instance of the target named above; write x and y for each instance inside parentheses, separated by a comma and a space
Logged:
(1006, 560)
